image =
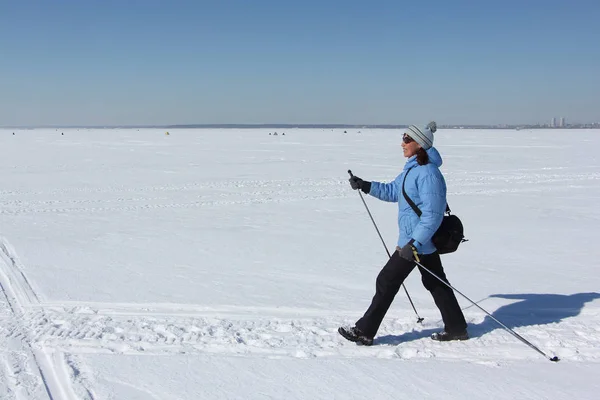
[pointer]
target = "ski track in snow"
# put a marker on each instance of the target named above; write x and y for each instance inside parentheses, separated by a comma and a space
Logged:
(53, 333)
(30, 371)
(121, 198)
(40, 341)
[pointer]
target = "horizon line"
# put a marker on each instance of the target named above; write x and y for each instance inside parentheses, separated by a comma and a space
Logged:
(276, 125)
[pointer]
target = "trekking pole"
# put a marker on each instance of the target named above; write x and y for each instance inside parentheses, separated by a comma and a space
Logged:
(512, 332)
(419, 318)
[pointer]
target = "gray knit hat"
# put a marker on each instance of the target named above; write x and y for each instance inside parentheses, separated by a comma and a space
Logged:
(422, 136)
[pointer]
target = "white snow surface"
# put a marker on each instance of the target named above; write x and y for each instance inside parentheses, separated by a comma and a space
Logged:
(218, 264)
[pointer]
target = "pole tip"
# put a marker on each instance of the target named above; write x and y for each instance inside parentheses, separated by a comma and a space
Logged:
(555, 359)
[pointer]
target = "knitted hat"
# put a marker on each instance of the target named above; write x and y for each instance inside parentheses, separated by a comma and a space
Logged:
(422, 136)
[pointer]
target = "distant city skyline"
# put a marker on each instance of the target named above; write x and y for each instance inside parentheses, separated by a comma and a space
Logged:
(383, 62)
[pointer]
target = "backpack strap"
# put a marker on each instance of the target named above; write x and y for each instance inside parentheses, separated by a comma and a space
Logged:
(408, 200)
(412, 203)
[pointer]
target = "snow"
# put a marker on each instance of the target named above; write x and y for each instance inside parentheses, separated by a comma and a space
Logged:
(218, 264)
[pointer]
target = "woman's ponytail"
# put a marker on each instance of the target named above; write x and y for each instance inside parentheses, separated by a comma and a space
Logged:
(422, 157)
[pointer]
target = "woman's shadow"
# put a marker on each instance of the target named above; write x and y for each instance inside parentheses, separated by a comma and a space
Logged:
(532, 309)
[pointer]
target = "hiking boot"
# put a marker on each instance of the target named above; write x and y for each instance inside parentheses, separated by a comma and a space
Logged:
(354, 334)
(444, 336)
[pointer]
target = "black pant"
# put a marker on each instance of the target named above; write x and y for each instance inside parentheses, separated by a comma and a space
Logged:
(391, 277)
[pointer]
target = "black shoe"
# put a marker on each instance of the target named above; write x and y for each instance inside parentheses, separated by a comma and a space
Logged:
(354, 334)
(444, 336)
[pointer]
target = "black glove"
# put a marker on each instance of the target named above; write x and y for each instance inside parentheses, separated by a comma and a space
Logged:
(409, 252)
(357, 183)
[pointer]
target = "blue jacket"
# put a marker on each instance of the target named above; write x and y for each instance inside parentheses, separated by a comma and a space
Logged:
(426, 187)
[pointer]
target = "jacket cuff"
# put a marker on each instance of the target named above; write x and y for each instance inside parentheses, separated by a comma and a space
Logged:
(416, 244)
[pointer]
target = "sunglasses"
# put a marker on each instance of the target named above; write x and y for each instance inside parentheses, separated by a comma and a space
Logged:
(407, 139)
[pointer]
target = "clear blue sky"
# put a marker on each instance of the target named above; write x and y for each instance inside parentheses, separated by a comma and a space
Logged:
(104, 62)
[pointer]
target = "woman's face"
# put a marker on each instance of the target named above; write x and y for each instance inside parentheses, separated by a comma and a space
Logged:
(409, 146)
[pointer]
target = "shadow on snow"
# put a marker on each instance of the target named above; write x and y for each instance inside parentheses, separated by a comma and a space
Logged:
(529, 309)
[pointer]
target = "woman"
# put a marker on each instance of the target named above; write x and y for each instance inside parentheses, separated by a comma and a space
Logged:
(425, 186)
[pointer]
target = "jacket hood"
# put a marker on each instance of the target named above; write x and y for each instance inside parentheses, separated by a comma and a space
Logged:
(434, 157)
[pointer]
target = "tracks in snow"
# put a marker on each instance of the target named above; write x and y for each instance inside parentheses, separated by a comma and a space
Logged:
(30, 371)
(133, 329)
(234, 193)
(191, 195)
(41, 341)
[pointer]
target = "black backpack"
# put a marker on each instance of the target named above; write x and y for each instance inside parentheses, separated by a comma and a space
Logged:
(449, 235)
